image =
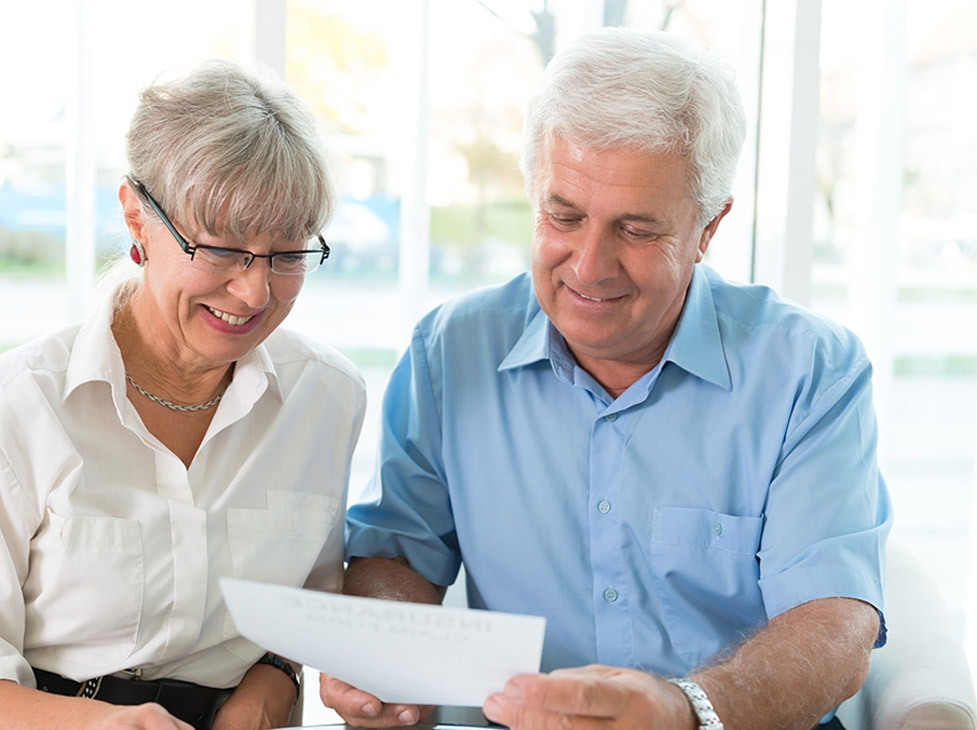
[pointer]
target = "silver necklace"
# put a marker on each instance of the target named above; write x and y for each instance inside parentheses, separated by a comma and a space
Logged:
(176, 406)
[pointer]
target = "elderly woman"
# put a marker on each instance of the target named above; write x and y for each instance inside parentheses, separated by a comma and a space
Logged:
(178, 435)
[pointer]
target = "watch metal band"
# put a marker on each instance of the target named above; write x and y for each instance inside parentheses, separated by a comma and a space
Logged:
(701, 706)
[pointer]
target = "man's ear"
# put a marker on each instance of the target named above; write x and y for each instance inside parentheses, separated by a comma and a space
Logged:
(710, 230)
(132, 212)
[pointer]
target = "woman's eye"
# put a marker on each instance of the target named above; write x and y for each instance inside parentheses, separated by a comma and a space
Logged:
(221, 253)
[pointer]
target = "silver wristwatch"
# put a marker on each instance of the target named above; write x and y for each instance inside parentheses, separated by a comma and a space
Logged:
(701, 706)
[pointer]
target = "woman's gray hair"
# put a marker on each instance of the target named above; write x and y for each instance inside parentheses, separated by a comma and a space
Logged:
(622, 88)
(232, 152)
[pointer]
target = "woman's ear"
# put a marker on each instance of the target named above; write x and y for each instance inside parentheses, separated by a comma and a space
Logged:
(132, 212)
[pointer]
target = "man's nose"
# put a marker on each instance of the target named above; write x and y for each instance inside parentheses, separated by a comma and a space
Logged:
(596, 256)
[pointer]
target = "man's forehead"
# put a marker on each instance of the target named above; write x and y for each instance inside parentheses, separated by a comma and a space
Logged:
(623, 159)
(645, 183)
(579, 148)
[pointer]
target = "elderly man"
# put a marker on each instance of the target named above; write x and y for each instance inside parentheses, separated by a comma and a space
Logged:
(678, 472)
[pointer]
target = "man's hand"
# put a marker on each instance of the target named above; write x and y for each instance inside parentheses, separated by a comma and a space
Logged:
(362, 709)
(590, 697)
(390, 579)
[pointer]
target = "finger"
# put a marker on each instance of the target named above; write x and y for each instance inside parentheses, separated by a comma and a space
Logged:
(589, 670)
(588, 693)
(362, 709)
(347, 700)
(397, 716)
(517, 716)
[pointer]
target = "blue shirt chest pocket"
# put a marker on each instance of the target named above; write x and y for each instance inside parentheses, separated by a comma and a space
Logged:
(705, 571)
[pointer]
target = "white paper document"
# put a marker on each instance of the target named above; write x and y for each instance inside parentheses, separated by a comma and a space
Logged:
(400, 652)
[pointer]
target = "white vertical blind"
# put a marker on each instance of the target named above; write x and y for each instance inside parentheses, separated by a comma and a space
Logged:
(879, 129)
(80, 173)
(415, 212)
(264, 34)
(970, 619)
(802, 178)
(731, 252)
(789, 119)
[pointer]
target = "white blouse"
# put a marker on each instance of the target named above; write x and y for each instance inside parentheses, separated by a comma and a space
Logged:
(112, 549)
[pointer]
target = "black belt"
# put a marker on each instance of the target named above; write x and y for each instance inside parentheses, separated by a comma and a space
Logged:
(187, 701)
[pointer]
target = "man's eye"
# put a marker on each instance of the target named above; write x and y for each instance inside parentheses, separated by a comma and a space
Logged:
(638, 234)
(562, 221)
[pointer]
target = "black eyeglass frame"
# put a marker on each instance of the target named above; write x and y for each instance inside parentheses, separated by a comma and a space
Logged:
(191, 249)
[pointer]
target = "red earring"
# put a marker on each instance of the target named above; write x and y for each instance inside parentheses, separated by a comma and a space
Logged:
(137, 254)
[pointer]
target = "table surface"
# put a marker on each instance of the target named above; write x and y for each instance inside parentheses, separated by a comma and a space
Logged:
(419, 726)
(444, 718)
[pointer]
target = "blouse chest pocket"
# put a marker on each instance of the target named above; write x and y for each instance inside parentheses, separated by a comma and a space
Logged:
(280, 544)
(86, 582)
(705, 569)
(277, 545)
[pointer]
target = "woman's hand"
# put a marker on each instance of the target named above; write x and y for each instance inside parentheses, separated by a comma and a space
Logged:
(138, 717)
(245, 716)
(263, 700)
(30, 709)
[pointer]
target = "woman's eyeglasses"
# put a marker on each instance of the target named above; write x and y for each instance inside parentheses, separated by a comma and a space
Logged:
(232, 260)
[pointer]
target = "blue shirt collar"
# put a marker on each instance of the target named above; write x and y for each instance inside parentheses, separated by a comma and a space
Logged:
(696, 346)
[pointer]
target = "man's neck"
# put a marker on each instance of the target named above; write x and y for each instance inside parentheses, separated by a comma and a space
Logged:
(616, 376)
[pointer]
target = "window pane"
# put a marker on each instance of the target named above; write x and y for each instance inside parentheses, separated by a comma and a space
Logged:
(896, 250)
(32, 160)
(39, 142)
(734, 30)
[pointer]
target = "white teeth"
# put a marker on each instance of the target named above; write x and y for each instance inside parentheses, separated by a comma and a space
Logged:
(229, 318)
(591, 299)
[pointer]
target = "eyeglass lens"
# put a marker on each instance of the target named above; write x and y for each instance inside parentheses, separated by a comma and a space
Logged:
(214, 258)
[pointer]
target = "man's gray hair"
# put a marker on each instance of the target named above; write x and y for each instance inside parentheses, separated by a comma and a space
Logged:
(233, 152)
(622, 88)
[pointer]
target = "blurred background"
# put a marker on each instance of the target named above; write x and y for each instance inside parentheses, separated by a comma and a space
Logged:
(856, 196)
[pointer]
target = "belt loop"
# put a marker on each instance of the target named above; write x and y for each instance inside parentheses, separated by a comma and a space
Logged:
(90, 688)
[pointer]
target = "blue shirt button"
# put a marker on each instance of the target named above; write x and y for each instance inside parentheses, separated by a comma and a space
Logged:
(604, 506)
(717, 528)
(610, 417)
(610, 595)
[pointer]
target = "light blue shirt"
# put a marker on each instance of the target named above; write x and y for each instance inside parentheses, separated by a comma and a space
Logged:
(736, 480)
